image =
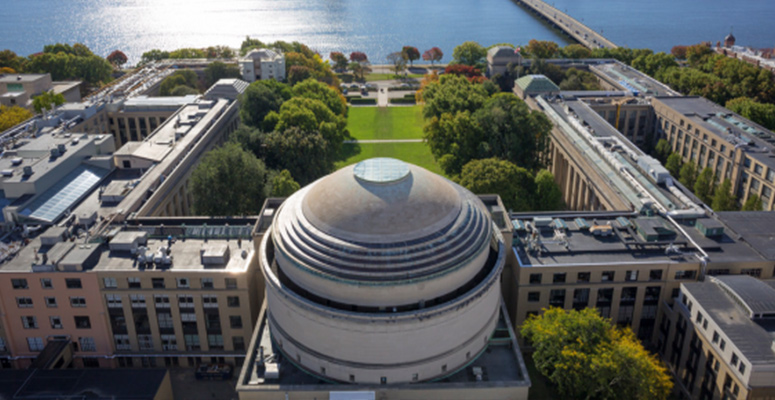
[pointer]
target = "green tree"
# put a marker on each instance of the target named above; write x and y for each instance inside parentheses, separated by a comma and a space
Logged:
(339, 60)
(187, 53)
(298, 73)
(703, 187)
(576, 79)
(283, 184)
(515, 185)
(673, 164)
(65, 62)
(575, 50)
(307, 155)
(311, 115)
(451, 94)
(154, 55)
(12, 116)
(312, 89)
(47, 101)
(688, 174)
(181, 77)
(229, 181)
(259, 99)
(470, 53)
(663, 150)
(542, 49)
(357, 69)
(222, 52)
(410, 53)
(762, 114)
(548, 196)
(586, 357)
(653, 63)
(182, 90)
(9, 59)
(217, 70)
(723, 199)
(753, 203)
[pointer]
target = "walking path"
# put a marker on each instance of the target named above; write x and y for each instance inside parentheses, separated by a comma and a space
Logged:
(385, 141)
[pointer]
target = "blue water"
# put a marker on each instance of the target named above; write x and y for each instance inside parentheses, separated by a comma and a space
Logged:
(662, 24)
(375, 27)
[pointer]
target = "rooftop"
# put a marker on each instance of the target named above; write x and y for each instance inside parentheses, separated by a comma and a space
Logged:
(536, 84)
(753, 227)
(633, 80)
(145, 103)
(226, 89)
(21, 78)
(755, 140)
(588, 238)
(715, 295)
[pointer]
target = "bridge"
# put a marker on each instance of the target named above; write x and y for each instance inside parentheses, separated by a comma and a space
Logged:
(575, 29)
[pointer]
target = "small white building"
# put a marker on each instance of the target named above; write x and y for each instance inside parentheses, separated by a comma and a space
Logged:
(262, 64)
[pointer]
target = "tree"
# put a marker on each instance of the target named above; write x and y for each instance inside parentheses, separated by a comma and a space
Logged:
(663, 150)
(117, 58)
(298, 73)
(762, 114)
(357, 69)
(259, 99)
(586, 357)
(673, 164)
(331, 97)
(703, 187)
(723, 199)
(679, 52)
(753, 203)
(217, 70)
(696, 53)
(548, 196)
(542, 49)
(410, 53)
(154, 55)
(187, 53)
(688, 174)
(311, 115)
(515, 185)
(450, 94)
(223, 52)
(339, 60)
(181, 77)
(434, 54)
(577, 79)
(182, 90)
(47, 101)
(229, 181)
(9, 59)
(283, 184)
(463, 70)
(653, 63)
(12, 116)
(398, 61)
(576, 51)
(65, 62)
(359, 57)
(307, 155)
(470, 53)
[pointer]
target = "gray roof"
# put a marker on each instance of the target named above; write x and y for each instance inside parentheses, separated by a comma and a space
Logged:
(21, 78)
(502, 51)
(758, 296)
(752, 339)
(753, 227)
(97, 384)
(226, 89)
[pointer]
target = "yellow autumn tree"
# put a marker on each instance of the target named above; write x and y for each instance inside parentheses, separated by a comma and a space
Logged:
(589, 358)
(11, 116)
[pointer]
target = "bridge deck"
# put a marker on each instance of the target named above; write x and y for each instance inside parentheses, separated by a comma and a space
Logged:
(575, 29)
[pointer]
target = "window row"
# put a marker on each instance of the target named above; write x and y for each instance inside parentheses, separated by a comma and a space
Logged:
(160, 283)
(31, 322)
(609, 276)
(46, 283)
(163, 301)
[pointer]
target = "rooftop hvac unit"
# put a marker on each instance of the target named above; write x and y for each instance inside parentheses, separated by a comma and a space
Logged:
(7, 172)
(55, 152)
(16, 161)
(27, 170)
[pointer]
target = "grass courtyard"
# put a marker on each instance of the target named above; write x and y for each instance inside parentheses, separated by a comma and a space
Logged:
(387, 123)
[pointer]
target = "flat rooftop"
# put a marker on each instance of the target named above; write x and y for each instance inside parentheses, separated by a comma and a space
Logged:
(625, 238)
(753, 227)
(145, 103)
(97, 384)
(633, 80)
(754, 339)
(501, 362)
(21, 78)
(755, 140)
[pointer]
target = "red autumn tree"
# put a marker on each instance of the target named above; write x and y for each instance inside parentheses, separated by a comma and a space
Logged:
(433, 55)
(410, 53)
(463, 70)
(117, 58)
(358, 56)
(679, 52)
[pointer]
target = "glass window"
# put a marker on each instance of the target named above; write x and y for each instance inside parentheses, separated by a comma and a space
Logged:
(138, 300)
(109, 282)
(583, 277)
(235, 321)
(535, 278)
(631, 276)
(231, 283)
(87, 344)
(207, 283)
(608, 276)
(185, 301)
(73, 283)
(215, 342)
(30, 322)
(192, 342)
(77, 302)
(557, 298)
(655, 275)
(35, 343)
(232, 301)
(158, 283)
(534, 297)
(133, 283)
(145, 342)
(50, 301)
(685, 274)
(165, 320)
(56, 322)
(45, 283)
(82, 322)
(209, 301)
(122, 342)
(19, 284)
(238, 342)
(559, 278)
(113, 300)
(24, 302)
(183, 283)
(161, 300)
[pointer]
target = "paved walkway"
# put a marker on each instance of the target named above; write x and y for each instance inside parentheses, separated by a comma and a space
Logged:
(385, 141)
(382, 96)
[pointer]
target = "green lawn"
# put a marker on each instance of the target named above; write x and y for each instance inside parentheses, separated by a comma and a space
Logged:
(367, 123)
(414, 153)
(390, 77)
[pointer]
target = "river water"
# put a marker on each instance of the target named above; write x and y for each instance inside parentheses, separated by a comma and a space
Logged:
(377, 27)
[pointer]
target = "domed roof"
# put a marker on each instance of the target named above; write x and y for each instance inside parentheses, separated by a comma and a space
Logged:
(381, 200)
(381, 222)
(730, 37)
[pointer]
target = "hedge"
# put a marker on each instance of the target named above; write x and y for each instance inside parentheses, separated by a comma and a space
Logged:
(363, 101)
(403, 101)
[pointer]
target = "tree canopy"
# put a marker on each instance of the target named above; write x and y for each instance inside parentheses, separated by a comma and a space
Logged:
(283, 184)
(762, 114)
(181, 77)
(542, 49)
(586, 357)
(434, 54)
(261, 98)
(493, 176)
(117, 58)
(753, 203)
(673, 164)
(307, 155)
(548, 195)
(47, 101)
(339, 60)
(65, 62)
(410, 54)
(229, 181)
(217, 70)
(12, 116)
(470, 53)
(704, 185)
(724, 199)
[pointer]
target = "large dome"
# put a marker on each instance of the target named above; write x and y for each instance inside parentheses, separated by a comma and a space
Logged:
(382, 272)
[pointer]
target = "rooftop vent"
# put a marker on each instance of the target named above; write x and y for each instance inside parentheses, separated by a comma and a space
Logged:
(16, 161)
(7, 172)
(27, 170)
